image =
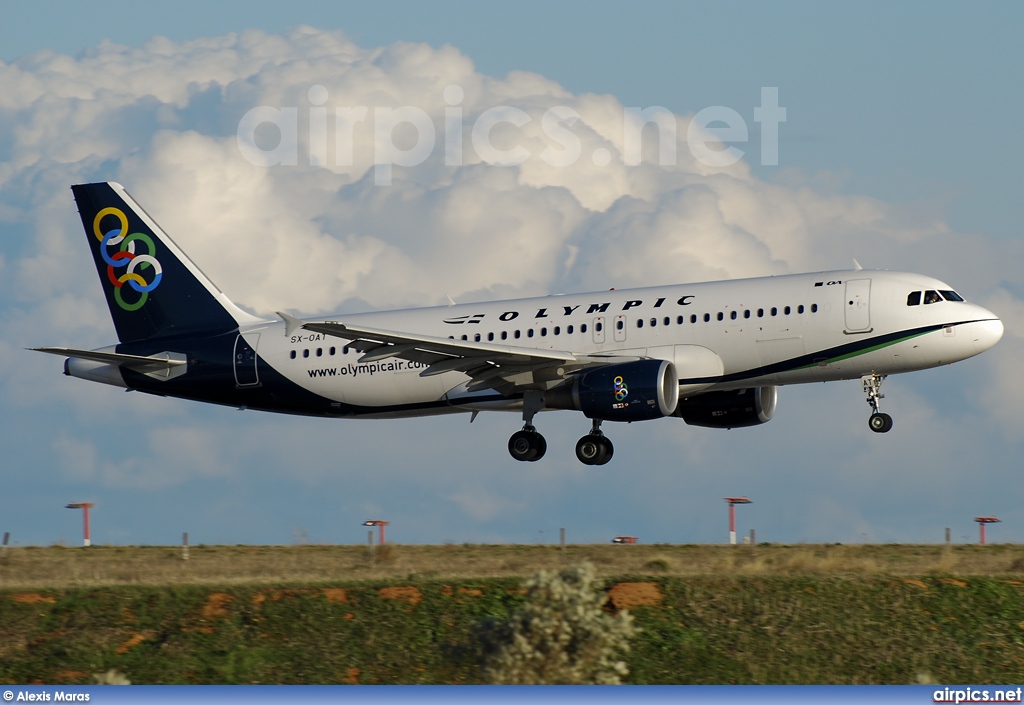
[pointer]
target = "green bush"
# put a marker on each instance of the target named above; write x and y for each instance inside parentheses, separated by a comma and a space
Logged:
(561, 635)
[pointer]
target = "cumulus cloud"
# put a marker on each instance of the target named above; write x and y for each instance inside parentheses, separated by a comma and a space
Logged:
(322, 236)
(163, 119)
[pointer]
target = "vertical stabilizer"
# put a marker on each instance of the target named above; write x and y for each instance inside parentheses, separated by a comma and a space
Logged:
(152, 288)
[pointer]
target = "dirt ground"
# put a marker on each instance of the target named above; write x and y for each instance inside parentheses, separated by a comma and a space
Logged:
(55, 566)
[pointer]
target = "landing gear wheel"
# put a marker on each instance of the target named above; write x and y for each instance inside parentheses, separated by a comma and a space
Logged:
(527, 446)
(589, 449)
(880, 423)
(872, 385)
(594, 450)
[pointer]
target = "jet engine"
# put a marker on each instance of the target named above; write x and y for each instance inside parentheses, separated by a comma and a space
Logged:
(629, 391)
(731, 409)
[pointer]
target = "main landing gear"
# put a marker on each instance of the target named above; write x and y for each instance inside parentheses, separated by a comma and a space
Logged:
(594, 448)
(528, 446)
(872, 385)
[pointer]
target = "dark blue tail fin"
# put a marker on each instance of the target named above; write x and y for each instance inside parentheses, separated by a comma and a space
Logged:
(152, 288)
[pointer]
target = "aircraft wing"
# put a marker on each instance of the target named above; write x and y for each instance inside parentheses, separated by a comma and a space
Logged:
(505, 368)
(139, 363)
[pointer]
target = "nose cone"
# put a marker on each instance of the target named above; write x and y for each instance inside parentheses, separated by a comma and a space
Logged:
(986, 333)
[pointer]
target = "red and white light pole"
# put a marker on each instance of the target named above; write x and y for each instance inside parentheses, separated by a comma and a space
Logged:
(84, 506)
(733, 501)
(981, 525)
(379, 523)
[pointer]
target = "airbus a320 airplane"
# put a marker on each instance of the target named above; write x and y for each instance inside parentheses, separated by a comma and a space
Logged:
(711, 353)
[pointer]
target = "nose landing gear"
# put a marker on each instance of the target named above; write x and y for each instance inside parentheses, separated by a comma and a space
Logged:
(872, 386)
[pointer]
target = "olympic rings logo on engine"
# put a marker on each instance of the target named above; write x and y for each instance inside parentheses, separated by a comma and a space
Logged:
(140, 271)
(620, 388)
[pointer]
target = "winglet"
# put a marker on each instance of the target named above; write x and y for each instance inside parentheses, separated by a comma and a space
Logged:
(451, 301)
(856, 265)
(291, 323)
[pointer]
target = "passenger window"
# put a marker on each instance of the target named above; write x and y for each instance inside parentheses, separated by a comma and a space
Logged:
(800, 308)
(583, 328)
(293, 354)
(639, 323)
(746, 314)
(775, 311)
(680, 320)
(733, 315)
(465, 337)
(931, 297)
(951, 296)
(720, 316)
(693, 318)
(529, 333)
(305, 353)
(543, 332)
(814, 308)
(490, 336)
(568, 330)
(914, 299)
(332, 352)
(599, 327)
(516, 335)
(786, 310)
(620, 324)
(707, 317)
(667, 320)
(557, 330)
(654, 322)
(319, 352)
(344, 350)
(504, 335)
(760, 313)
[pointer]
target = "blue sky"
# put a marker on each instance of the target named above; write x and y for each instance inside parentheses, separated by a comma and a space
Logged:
(899, 149)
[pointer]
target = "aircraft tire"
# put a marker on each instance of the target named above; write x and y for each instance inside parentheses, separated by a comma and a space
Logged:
(527, 446)
(542, 447)
(880, 423)
(594, 450)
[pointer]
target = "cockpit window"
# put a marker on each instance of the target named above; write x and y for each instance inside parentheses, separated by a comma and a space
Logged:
(931, 297)
(914, 299)
(951, 296)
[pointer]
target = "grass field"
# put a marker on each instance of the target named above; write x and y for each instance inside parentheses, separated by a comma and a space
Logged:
(330, 614)
(58, 567)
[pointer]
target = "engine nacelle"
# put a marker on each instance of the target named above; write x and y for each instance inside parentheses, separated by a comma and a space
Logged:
(732, 409)
(630, 391)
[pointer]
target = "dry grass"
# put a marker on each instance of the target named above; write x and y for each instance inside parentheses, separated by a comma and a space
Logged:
(59, 567)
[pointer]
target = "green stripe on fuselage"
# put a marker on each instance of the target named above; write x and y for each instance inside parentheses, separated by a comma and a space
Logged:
(865, 351)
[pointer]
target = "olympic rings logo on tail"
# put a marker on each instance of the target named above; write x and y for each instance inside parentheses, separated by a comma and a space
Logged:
(137, 267)
(620, 388)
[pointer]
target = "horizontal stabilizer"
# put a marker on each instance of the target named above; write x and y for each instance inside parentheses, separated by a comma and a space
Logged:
(153, 363)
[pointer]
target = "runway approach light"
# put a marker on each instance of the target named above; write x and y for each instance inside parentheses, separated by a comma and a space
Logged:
(84, 506)
(378, 523)
(981, 525)
(625, 539)
(733, 501)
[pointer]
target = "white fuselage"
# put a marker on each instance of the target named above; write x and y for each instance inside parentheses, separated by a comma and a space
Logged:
(767, 331)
